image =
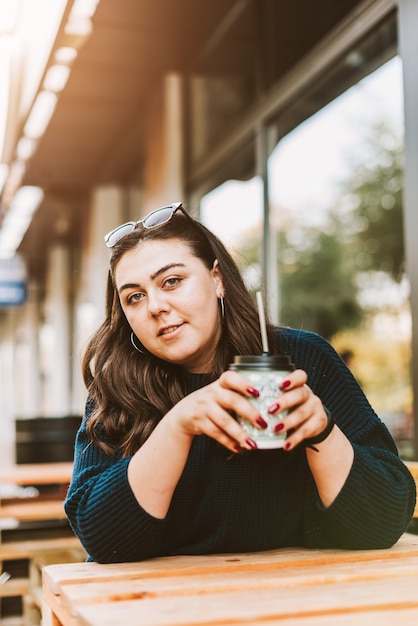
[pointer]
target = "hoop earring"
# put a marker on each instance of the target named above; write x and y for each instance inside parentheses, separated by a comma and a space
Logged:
(134, 344)
(222, 305)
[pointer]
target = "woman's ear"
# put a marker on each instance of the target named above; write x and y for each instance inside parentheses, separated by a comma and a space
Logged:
(218, 278)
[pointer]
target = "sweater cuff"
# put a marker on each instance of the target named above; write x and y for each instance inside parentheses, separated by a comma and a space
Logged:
(365, 513)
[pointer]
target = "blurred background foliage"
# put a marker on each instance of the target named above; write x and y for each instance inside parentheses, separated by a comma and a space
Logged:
(345, 279)
(375, 223)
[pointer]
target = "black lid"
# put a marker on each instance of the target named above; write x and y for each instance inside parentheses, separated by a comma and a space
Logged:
(263, 361)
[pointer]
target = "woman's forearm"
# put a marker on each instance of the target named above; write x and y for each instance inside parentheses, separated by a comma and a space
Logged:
(154, 471)
(331, 464)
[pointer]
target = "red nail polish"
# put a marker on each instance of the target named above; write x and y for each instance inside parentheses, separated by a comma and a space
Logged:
(278, 427)
(287, 446)
(261, 422)
(251, 443)
(238, 449)
(253, 392)
(274, 407)
(285, 384)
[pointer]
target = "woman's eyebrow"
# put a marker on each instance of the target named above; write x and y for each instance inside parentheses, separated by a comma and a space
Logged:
(153, 276)
(163, 269)
(128, 286)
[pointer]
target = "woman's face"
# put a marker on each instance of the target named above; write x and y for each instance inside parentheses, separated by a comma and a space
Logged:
(170, 300)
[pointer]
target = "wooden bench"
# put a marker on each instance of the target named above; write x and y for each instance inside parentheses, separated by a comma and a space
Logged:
(28, 531)
(33, 510)
(54, 477)
(37, 554)
(37, 474)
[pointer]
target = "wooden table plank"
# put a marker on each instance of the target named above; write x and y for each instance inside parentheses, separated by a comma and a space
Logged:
(15, 550)
(54, 613)
(119, 589)
(290, 587)
(403, 617)
(261, 604)
(37, 473)
(56, 575)
(30, 511)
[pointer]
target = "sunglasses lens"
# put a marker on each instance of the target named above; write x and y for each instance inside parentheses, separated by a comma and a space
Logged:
(112, 238)
(158, 217)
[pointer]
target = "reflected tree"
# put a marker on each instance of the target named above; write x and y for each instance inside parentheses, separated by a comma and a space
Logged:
(375, 193)
(320, 270)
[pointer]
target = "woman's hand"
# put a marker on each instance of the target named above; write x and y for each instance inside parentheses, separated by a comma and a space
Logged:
(210, 411)
(331, 460)
(306, 416)
(155, 470)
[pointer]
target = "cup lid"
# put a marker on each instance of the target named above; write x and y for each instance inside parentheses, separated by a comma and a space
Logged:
(270, 361)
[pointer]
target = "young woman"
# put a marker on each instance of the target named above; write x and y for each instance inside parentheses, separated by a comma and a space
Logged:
(161, 465)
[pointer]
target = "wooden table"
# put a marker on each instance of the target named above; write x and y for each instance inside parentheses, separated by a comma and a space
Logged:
(49, 506)
(288, 587)
(37, 473)
(33, 529)
(33, 511)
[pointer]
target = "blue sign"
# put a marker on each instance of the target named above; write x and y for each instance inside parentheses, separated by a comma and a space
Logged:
(12, 282)
(12, 293)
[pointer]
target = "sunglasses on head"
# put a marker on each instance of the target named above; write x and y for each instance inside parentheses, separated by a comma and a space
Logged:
(155, 218)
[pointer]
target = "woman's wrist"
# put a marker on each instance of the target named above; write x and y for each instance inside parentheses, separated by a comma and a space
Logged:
(311, 442)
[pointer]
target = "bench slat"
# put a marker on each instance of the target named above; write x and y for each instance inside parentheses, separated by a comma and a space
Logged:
(34, 511)
(15, 587)
(16, 550)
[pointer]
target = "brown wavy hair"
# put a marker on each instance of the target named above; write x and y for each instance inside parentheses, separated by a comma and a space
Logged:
(131, 391)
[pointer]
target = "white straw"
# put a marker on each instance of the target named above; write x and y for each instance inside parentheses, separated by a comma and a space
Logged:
(262, 322)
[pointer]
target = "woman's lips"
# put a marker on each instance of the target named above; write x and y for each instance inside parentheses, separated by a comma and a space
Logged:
(168, 330)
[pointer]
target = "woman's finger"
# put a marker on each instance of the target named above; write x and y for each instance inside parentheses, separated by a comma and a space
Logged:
(211, 411)
(294, 379)
(305, 421)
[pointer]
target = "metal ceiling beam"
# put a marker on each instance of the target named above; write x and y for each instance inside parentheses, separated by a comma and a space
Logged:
(339, 42)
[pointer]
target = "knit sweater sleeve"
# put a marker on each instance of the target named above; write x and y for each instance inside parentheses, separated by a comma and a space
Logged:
(102, 509)
(376, 503)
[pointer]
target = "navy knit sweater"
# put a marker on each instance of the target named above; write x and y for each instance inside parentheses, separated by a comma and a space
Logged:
(258, 500)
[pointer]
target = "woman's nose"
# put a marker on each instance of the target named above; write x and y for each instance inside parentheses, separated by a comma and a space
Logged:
(157, 304)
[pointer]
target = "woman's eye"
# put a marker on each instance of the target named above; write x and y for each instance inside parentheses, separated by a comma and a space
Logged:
(173, 281)
(135, 297)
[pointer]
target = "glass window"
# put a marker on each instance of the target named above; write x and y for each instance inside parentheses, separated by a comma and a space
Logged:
(335, 185)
